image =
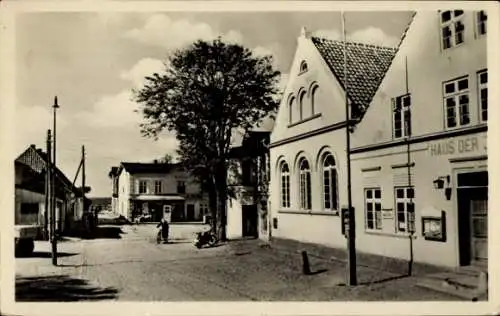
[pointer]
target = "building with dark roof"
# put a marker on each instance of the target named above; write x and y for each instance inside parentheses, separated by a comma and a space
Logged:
(418, 143)
(151, 190)
(30, 181)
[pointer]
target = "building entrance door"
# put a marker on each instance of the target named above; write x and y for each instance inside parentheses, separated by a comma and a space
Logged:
(190, 212)
(472, 195)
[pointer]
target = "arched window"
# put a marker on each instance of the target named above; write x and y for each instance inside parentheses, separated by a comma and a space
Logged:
(290, 110)
(330, 183)
(305, 184)
(303, 66)
(313, 99)
(302, 95)
(285, 185)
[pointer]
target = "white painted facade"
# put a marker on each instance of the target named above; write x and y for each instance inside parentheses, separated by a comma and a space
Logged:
(379, 161)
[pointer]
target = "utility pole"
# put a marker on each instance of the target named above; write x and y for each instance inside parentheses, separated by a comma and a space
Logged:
(48, 193)
(54, 195)
(84, 215)
(351, 232)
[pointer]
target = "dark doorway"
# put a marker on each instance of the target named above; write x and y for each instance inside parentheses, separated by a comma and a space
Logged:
(249, 217)
(472, 197)
(190, 213)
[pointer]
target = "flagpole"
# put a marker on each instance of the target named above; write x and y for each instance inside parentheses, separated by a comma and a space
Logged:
(351, 232)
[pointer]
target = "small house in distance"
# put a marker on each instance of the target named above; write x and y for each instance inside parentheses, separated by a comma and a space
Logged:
(150, 190)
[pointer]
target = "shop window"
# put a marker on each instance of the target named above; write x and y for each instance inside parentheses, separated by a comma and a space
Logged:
(481, 18)
(373, 208)
(285, 185)
(158, 186)
(181, 187)
(401, 116)
(482, 79)
(452, 28)
(405, 209)
(456, 102)
(305, 184)
(330, 183)
(143, 186)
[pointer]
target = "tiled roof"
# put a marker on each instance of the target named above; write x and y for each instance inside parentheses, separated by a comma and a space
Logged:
(36, 159)
(366, 67)
(139, 167)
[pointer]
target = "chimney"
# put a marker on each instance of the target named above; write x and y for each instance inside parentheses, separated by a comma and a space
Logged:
(155, 161)
(33, 146)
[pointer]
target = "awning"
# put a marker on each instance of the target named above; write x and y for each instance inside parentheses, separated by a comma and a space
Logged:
(159, 198)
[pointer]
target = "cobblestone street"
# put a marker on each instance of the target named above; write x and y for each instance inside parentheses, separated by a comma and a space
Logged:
(126, 264)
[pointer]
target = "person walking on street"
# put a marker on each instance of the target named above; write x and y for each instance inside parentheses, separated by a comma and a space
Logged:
(164, 229)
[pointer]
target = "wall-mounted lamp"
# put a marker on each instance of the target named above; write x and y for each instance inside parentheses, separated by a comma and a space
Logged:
(439, 182)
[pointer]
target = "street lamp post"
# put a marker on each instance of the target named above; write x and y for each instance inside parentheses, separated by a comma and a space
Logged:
(53, 206)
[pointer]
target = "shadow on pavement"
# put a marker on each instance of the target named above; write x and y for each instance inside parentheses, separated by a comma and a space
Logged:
(48, 254)
(60, 288)
(100, 232)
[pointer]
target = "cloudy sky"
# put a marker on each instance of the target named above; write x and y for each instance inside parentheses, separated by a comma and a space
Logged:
(91, 61)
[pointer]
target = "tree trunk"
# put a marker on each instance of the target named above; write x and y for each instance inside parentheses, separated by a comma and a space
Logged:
(221, 189)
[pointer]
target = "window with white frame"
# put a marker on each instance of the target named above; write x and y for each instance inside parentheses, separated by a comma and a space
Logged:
(405, 209)
(456, 100)
(290, 110)
(482, 79)
(401, 116)
(330, 189)
(481, 18)
(305, 184)
(373, 208)
(452, 28)
(285, 185)
(204, 209)
(143, 186)
(302, 96)
(181, 187)
(158, 187)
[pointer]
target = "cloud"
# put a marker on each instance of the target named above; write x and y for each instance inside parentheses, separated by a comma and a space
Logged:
(144, 67)
(32, 123)
(370, 35)
(112, 111)
(161, 30)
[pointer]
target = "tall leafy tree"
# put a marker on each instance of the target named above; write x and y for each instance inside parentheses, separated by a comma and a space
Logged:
(207, 91)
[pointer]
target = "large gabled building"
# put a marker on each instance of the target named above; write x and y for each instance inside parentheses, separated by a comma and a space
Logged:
(418, 147)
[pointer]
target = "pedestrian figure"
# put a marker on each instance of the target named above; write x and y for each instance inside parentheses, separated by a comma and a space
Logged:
(164, 229)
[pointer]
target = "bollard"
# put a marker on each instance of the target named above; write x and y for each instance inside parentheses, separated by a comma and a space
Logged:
(306, 269)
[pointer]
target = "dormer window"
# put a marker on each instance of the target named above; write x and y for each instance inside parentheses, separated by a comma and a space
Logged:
(303, 66)
(452, 28)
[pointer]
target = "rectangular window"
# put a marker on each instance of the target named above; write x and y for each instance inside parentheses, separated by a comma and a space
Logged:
(181, 187)
(158, 187)
(143, 186)
(405, 209)
(481, 18)
(452, 28)
(401, 116)
(482, 79)
(456, 102)
(373, 209)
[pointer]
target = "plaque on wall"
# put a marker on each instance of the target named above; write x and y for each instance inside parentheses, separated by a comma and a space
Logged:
(387, 213)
